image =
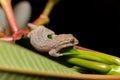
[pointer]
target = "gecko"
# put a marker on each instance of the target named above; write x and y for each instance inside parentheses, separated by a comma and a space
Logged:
(45, 40)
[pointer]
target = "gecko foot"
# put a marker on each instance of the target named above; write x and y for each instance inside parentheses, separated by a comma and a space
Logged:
(54, 53)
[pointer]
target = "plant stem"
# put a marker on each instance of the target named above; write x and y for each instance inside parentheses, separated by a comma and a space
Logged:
(100, 67)
(16, 34)
(92, 55)
(44, 17)
(6, 4)
(92, 60)
(8, 39)
(115, 70)
(112, 59)
(49, 6)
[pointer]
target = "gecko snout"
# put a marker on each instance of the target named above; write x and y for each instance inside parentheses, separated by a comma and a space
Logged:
(74, 41)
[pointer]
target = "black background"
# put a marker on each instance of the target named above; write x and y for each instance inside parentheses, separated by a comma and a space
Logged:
(94, 22)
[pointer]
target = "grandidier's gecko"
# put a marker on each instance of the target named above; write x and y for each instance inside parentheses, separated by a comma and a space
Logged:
(45, 40)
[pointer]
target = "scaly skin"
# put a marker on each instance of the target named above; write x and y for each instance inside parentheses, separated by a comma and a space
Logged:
(40, 40)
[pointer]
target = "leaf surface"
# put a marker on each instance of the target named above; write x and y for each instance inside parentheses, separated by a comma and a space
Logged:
(16, 60)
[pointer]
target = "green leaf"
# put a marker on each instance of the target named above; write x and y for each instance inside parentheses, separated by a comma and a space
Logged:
(18, 60)
(18, 76)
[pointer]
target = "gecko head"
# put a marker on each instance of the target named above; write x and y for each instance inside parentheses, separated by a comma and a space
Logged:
(72, 39)
(67, 39)
(62, 41)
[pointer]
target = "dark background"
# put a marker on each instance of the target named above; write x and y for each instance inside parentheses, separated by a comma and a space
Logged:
(94, 22)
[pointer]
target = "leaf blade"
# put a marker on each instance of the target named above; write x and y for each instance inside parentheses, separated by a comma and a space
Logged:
(18, 59)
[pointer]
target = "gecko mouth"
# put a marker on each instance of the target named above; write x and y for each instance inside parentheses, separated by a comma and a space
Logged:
(64, 45)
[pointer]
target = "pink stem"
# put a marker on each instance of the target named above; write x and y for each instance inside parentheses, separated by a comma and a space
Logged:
(85, 49)
(10, 15)
(8, 39)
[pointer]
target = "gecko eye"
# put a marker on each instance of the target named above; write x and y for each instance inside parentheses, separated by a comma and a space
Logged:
(72, 40)
(49, 36)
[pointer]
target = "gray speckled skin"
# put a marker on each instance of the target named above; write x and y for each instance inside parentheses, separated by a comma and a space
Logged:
(41, 42)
